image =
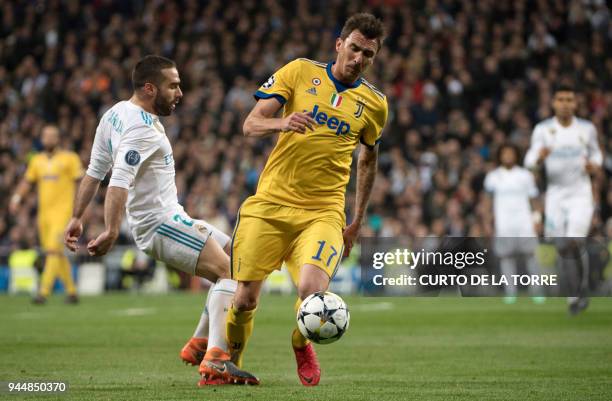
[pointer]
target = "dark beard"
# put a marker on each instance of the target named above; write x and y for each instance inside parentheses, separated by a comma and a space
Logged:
(161, 107)
(50, 149)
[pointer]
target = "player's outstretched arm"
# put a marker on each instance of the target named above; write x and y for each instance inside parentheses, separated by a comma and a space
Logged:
(366, 173)
(114, 207)
(87, 190)
(261, 121)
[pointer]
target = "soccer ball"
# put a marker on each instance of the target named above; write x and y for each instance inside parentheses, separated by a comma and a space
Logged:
(323, 317)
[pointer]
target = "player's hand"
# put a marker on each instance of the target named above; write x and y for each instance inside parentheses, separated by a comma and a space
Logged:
(591, 168)
(298, 122)
(350, 235)
(101, 245)
(73, 232)
(544, 152)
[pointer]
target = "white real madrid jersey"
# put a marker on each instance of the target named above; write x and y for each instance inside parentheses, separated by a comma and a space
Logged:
(511, 190)
(134, 144)
(570, 148)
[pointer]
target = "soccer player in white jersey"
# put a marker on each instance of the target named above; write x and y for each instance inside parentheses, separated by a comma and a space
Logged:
(567, 148)
(514, 192)
(131, 140)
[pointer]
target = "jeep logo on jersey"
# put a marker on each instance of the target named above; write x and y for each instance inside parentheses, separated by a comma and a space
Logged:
(132, 157)
(268, 84)
(341, 127)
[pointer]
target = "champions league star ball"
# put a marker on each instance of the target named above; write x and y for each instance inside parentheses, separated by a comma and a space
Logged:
(323, 317)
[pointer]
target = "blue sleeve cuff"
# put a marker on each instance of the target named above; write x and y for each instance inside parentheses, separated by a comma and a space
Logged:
(262, 95)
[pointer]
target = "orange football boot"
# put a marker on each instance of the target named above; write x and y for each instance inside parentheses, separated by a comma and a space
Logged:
(193, 352)
(217, 368)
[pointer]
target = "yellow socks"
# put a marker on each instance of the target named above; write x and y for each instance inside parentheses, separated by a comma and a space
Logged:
(297, 339)
(65, 275)
(50, 272)
(239, 329)
(56, 266)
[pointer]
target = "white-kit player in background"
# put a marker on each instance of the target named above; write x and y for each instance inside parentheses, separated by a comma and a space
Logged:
(514, 194)
(567, 147)
(131, 141)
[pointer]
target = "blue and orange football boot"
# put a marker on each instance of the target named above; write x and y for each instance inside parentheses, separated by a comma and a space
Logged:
(217, 368)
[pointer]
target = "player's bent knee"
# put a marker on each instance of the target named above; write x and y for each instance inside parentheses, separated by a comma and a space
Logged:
(244, 304)
(247, 295)
(312, 279)
(213, 262)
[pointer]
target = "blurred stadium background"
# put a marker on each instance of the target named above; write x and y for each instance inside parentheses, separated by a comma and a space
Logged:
(461, 78)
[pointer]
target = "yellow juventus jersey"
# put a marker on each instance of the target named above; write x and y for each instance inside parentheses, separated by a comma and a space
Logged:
(55, 176)
(311, 170)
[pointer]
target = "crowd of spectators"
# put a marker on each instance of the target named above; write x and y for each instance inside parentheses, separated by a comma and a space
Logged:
(461, 78)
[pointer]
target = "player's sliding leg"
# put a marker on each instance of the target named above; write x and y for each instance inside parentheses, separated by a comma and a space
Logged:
(217, 367)
(193, 352)
(240, 318)
(312, 279)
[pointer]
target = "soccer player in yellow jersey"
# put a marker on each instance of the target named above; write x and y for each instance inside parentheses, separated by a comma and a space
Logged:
(297, 215)
(55, 172)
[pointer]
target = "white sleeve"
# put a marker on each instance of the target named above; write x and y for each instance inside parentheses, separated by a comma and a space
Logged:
(594, 151)
(489, 182)
(532, 188)
(537, 143)
(135, 147)
(101, 159)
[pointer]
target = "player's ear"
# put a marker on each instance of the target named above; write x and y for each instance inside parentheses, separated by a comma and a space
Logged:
(149, 89)
(339, 42)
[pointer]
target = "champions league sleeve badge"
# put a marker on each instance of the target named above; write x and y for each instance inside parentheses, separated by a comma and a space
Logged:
(132, 157)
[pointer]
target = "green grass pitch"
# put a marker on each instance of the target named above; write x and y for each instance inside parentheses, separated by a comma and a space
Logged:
(125, 347)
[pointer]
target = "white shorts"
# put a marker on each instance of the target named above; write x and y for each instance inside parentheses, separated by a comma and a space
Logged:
(570, 217)
(515, 246)
(179, 240)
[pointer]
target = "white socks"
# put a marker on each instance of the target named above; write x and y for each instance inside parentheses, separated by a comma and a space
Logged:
(202, 330)
(219, 302)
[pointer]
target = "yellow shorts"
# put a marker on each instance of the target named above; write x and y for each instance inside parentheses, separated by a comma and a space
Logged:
(268, 234)
(51, 233)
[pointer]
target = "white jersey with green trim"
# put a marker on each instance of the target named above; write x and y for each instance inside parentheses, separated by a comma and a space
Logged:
(133, 143)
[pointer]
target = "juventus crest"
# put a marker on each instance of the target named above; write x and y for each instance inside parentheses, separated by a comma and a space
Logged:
(359, 111)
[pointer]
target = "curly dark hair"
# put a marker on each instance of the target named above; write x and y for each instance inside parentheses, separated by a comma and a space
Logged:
(370, 26)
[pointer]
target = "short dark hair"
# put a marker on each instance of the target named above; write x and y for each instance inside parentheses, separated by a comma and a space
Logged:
(148, 69)
(370, 26)
(508, 145)
(564, 87)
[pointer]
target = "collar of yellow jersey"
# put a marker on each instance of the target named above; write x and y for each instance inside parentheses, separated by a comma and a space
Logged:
(340, 86)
